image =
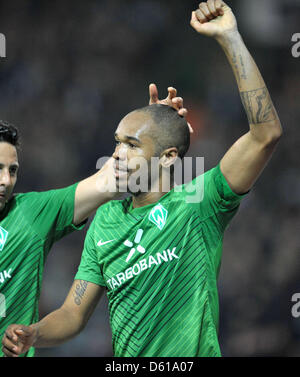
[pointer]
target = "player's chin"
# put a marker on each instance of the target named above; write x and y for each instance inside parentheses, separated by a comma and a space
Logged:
(122, 184)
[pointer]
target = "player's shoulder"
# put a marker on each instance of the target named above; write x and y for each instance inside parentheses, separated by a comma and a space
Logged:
(56, 193)
(179, 192)
(21, 198)
(19, 203)
(112, 205)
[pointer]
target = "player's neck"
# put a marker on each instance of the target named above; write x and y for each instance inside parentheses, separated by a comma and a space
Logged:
(146, 198)
(158, 189)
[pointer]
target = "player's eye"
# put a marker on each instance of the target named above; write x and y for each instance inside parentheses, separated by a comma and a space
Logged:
(13, 171)
(132, 146)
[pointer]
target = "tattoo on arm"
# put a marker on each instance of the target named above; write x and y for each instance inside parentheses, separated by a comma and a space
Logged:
(244, 73)
(258, 106)
(80, 291)
(236, 66)
(237, 63)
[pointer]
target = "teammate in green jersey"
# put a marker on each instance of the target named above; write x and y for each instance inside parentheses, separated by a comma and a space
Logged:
(157, 254)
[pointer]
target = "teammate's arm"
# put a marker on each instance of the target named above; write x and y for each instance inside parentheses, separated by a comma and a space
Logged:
(246, 159)
(58, 326)
(92, 192)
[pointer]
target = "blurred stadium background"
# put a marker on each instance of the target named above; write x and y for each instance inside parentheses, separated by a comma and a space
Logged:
(75, 68)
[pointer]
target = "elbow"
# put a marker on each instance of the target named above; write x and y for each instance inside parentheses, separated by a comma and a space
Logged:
(273, 135)
(274, 138)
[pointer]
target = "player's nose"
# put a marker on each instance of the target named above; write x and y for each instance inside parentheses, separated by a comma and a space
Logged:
(5, 178)
(120, 153)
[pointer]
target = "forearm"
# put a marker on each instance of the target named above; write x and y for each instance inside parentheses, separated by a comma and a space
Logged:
(90, 194)
(262, 116)
(56, 328)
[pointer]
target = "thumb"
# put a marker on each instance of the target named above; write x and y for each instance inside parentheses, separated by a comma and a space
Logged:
(24, 332)
(194, 21)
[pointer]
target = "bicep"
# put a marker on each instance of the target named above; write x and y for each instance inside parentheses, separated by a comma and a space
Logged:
(82, 300)
(244, 162)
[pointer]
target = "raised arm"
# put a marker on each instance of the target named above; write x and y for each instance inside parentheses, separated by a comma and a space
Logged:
(90, 192)
(58, 326)
(246, 159)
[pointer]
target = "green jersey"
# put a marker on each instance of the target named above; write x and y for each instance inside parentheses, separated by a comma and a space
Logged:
(160, 265)
(29, 224)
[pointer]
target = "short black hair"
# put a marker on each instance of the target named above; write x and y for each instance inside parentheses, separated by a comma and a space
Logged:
(172, 129)
(9, 133)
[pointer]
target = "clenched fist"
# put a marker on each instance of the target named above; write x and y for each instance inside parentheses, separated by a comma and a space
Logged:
(17, 340)
(214, 19)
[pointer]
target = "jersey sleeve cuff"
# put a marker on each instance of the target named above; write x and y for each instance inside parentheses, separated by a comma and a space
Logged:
(91, 279)
(226, 193)
(79, 226)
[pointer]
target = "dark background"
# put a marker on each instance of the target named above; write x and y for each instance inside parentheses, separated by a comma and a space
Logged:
(75, 68)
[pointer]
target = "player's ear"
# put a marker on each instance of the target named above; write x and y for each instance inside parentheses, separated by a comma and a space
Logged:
(168, 158)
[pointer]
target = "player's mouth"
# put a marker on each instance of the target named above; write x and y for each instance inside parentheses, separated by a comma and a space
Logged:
(2, 195)
(120, 171)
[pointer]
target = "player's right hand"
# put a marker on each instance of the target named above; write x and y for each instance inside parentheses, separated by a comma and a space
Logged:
(214, 18)
(17, 340)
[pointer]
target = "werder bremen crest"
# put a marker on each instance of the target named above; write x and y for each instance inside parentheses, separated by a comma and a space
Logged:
(158, 216)
(3, 237)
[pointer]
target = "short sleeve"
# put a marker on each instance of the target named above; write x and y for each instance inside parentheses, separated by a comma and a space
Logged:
(213, 196)
(51, 212)
(89, 268)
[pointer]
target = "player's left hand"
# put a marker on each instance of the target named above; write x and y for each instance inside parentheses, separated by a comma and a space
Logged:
(172, 100)
(213, 18)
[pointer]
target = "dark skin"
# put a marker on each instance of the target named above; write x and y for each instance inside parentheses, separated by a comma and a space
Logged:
(133, 140)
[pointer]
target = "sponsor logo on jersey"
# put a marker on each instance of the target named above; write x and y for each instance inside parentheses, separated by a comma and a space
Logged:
(4, 275)
(144, 264)
(158, 216)
(102, 243)
(3, 237)
(137, 240)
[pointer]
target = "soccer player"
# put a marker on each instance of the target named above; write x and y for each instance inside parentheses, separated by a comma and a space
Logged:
(157, 254)
(30, 223)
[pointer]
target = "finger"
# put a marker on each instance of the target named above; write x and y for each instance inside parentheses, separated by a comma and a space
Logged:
(194, 21)
(24, 331)
(190, 128)
(201, 17)
(8, 344)
(172, 93)
(212, 8)
(9, 334)
(204, 9)
(177, 102)
(153, 93)
(183, 112)
(8, 353)
(219, 8)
